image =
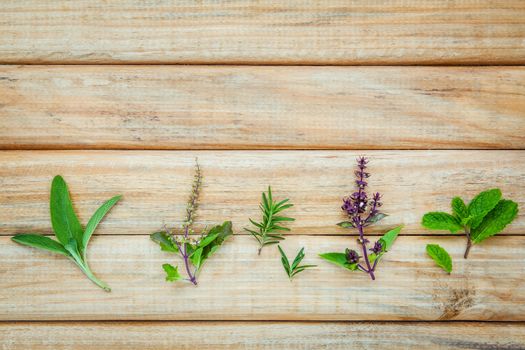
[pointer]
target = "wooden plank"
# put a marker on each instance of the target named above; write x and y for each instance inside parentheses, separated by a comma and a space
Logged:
(264, 32)
(240, 285)
(156, 184)
(203, 107)
(261, 335)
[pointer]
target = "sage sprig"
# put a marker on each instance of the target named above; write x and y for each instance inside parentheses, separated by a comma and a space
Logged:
(72, 238)
(269, 230)
(485, 216)
(193, 251)
(294, 268)
(363, 212)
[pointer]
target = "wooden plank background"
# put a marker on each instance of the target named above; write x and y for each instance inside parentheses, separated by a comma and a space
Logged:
(290, 94)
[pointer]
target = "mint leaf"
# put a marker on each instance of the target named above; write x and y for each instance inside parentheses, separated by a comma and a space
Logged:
(495, 221)
(63, 218)
(40, 242)
(482, 204)
(440, 256)
(172, 273)
(165, 242)
(97, 218)
(339, 259)
(441, 221)
(388, 238)
(459, 208)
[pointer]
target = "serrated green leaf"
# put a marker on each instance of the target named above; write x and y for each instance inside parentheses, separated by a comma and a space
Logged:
(440, 256)
(388, 238)
(40, 242)
(495, 221)
(163, 239)
(97, 218)
(459, 208)
(482, 204)
(339, 259)
(220, 234)
(172, 273)
(441, 221)
(346, 224)
(63, 218)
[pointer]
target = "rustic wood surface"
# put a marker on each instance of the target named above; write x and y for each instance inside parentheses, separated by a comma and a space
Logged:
(237, 284)
(221, 107)
(264, 32)
(262, 335)
(156, 184)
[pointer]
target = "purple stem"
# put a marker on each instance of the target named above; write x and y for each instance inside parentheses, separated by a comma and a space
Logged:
(185, 256)
(365, 253)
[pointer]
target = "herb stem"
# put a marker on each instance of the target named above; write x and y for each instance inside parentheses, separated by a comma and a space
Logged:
(469, 243)
(87, 271)
(365, 253)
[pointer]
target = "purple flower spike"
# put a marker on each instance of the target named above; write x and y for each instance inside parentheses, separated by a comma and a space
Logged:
(378, 247)
(351, 256)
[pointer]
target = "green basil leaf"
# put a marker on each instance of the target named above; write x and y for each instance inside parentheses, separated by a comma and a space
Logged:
(221, 233)
(482, 204)
(97, 218)
(63, 218)
(441, 221)
(339, 259)
(388, 238)
(495, 221)
(459, 208)
(40, 242)
(440, 256)
(376, 218)
(172, 273)
(196, 258)
(165, 242)
(346, 224)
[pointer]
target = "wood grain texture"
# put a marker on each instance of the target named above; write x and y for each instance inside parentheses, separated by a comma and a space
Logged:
(205, 107)
(237, 284)
(156, 184)
(264, 32)
(261, 335)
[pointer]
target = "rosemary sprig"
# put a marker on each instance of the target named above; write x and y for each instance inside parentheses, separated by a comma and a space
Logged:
(267, 231)
(294, 268)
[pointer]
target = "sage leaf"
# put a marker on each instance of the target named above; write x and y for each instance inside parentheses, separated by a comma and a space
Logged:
(41, 242)
(495, 221)
(441, 221)
(440, 256)
(63, 218)
(482, 204)
(459, 208)
(172, 273)
(97, 218)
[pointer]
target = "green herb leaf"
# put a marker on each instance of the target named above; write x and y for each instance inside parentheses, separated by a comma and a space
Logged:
(346, 224)
(339, 259)
(40, 242)
(440, 256)
(165, 242)
(196, 258)
(459, 208)
(285, 261)
(388, 238)
(495, 221)
(441, 221)
(97, 218)
(172, 273)
(295, 268)
(482, 204)
(63, 218)
(209, 246)
(376, 218)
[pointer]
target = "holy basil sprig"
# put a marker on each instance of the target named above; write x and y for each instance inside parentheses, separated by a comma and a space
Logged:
(267, 232)
(193, 251)
(72, 238)
(486, 215)
(294, 268)
(363, 212)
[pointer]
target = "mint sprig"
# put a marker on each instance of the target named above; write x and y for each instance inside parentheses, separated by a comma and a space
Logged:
(72, 238)
(486, 215)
